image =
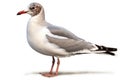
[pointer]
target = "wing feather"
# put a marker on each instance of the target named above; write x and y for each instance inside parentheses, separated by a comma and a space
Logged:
(70, 45)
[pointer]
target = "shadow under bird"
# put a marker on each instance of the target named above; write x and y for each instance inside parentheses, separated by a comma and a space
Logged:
(56, 41)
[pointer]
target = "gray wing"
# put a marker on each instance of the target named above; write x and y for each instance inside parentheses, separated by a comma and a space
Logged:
(62, 32)
(70, 45)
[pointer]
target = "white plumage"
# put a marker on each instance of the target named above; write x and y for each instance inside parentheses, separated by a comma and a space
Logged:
(55, 41)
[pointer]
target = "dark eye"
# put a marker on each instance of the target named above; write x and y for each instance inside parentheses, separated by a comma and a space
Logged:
(32, 8)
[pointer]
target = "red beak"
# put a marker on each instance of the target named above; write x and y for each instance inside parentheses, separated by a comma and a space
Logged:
(21, 12)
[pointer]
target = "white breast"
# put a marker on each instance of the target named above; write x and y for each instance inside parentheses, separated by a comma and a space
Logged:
(36, 36)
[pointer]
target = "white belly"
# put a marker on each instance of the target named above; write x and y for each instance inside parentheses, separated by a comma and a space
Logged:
(36, 37)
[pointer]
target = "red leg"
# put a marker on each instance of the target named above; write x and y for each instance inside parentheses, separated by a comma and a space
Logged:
(50, 74)
(58, 63)
(53, 62)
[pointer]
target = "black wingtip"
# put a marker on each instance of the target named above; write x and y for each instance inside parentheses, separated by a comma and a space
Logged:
(110, 53)
(114, 49)
(107, 49)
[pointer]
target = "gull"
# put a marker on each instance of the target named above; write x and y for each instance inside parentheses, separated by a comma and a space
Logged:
(55, 41)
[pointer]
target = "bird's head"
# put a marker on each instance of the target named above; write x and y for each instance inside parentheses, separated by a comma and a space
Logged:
(33, 9)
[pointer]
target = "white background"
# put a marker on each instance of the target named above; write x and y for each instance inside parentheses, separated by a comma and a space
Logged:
(97, 21)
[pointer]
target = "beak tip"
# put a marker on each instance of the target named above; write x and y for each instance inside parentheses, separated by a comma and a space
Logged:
(18, 13)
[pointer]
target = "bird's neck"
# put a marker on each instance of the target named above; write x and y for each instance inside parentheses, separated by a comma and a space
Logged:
(40, 18)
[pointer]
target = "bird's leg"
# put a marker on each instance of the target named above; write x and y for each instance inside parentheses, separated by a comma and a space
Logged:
(51, 74)
(58, 63)
(53, 62)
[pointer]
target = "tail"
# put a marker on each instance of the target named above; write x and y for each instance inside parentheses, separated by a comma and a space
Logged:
(106, 50)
